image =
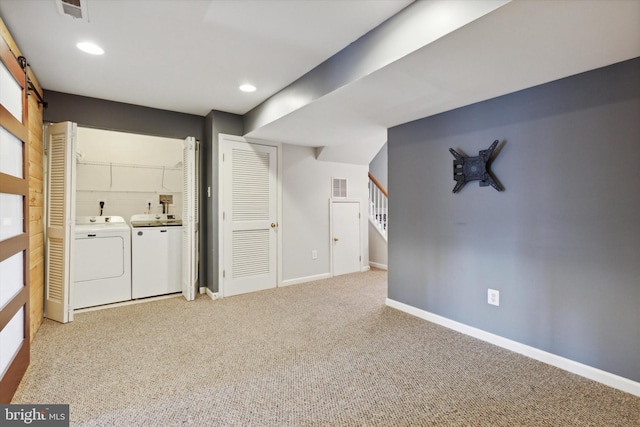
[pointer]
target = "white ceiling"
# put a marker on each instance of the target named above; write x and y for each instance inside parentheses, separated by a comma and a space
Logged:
(190, 56)
(187, 55)
(519, 45)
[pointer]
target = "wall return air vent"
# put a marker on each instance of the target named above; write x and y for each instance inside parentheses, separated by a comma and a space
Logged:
(339, 188)
(76, 9)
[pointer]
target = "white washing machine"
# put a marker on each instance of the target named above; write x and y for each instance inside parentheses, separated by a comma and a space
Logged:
(156, 255)
(102, 261)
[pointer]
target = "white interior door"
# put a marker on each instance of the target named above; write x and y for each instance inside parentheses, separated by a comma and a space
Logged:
(61, 190)
(249, 216)
(190, 219)
(345, 239)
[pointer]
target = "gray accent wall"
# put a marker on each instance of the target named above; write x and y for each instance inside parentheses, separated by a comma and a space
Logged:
(118, 116)
(378, 166)
(216, 122)
(561, 244)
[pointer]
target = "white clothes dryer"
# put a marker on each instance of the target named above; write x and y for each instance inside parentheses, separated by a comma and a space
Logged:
(102, 261)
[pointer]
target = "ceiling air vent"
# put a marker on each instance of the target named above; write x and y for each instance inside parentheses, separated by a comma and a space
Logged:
(75, 8)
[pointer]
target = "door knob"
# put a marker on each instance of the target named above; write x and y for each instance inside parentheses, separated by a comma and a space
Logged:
(273, 225)
(335, 239)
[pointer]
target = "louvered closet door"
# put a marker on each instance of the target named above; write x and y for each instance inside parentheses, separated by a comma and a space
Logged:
(249, 218)
(61, 140)
(190, 189)
(14, 221)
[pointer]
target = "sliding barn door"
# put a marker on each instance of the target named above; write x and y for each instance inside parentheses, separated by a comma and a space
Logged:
(190, 218)
(14, 224)
(61, 190)
(249, 217)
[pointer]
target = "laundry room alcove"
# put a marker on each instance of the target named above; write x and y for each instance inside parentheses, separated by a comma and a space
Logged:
(116, 177)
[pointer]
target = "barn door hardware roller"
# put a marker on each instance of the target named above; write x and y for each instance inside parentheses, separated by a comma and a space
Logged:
(30, 86)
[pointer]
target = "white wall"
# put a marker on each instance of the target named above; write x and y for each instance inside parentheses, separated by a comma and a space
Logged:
(378, 248)
(126, 171)
(305, 223)
(378, 251)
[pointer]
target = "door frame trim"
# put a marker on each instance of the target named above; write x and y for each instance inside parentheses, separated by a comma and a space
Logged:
(234, 138)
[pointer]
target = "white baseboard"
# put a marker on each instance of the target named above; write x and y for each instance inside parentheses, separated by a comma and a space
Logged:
(380, 266)
(572, 366)
(212, 295)
(299, 280)
(365, 268)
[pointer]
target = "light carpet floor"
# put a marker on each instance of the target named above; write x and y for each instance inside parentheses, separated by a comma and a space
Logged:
(325, 353)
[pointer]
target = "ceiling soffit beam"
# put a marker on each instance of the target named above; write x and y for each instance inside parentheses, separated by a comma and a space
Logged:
(416, 26)
(359, 152)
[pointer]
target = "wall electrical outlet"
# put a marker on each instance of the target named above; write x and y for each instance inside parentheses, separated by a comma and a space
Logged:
(314, 254)
(493, 297)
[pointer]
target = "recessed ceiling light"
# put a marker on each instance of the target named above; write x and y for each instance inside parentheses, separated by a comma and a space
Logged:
(247, 88)
(91, 48)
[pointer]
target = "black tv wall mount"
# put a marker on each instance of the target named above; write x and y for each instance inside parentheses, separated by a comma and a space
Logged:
(476, 168)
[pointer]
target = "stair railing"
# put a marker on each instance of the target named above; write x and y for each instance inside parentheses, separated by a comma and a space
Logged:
(378, 205)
